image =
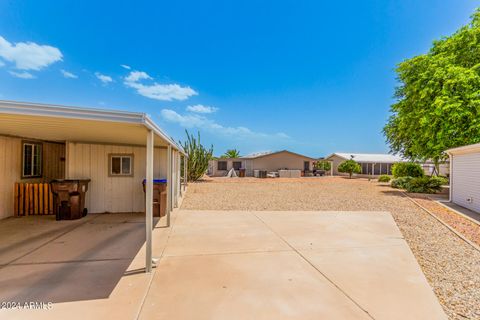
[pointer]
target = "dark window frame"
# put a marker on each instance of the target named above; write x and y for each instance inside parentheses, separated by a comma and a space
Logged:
(34, 144)
(222, 162)
(236, 162)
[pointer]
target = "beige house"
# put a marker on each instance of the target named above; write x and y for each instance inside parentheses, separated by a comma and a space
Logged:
(116, 150)
(372, 164)
(465, 176)
(267, 161)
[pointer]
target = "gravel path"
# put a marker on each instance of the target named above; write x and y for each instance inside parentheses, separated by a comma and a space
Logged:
(464, 226)
(451, 266)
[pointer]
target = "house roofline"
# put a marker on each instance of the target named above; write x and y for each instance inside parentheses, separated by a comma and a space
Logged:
(464, 149)
(82, 113)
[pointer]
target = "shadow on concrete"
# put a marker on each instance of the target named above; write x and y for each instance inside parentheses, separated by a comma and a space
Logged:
(84, 263)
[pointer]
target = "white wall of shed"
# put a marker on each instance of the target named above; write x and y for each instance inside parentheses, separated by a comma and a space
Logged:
(112, 194)
(465, 180)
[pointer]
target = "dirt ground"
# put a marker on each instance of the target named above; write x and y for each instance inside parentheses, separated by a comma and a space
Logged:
(451, 266)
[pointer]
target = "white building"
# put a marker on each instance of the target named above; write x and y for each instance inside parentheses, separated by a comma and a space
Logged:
(465, 176)
(372, 164)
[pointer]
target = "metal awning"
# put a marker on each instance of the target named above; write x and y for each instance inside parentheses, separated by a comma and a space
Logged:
(60, 123)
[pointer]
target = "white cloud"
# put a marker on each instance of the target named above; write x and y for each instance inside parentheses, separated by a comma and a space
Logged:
(69, 75)
(125, 66)
(200, 121)
(199, 108)
(164, 92)
(104, 78)
(29, 55)
(2, 63)
(22, 75)
(136, 76)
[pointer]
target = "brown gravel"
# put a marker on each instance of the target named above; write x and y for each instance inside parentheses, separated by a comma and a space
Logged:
(466, 227)
(451, 266)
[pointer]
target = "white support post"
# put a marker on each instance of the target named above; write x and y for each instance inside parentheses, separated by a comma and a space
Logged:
(185, 164)
(178, 173)
(169, 183)
(149, 202)
(331, 168)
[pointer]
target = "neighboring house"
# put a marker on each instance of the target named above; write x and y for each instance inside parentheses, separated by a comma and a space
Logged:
(40, 142)
(268, 161)
(465, 176)
(372, 164)
(429, 168)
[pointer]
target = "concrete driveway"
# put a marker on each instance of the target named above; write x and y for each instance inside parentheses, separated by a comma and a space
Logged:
(266, 265)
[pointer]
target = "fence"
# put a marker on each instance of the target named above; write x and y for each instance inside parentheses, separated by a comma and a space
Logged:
(33, 199)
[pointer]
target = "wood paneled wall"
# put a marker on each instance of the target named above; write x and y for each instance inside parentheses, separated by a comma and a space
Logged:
(11, 168)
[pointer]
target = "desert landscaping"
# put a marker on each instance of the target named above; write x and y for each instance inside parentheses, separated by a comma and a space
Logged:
(450, 264)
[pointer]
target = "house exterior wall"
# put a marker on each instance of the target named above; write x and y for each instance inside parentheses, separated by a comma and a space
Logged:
(336, 160)
(53, 167)
(465, 180)
(272, 162)
(113, 194)
(214, 172)
(367, 169)
(282, 160)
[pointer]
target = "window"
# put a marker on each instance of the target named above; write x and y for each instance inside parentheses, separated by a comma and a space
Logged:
(121, 165)
(222, 165)
(237, 165)
(32, 160)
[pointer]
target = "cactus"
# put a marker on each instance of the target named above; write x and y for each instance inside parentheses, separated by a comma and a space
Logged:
(198, 156)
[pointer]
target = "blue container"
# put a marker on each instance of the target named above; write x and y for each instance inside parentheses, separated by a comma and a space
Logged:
(155, 181)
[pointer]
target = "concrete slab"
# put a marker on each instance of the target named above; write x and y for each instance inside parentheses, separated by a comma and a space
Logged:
(20, 236)
(93, 240)
(385, 280)
(210, 232)
(234, 265)
(311, 230)
(268, 285)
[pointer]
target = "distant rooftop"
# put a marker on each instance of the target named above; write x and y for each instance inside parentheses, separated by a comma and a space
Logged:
(370, 157)
(258, 154)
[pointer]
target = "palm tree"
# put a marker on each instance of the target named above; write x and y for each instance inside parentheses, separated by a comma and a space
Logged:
(231, 153)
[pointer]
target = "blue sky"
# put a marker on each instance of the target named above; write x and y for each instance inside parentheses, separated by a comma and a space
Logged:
(313, 77)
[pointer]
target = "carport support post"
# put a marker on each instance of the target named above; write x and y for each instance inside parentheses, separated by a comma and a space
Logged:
(169, 183)
(149, 203)
(185, 164)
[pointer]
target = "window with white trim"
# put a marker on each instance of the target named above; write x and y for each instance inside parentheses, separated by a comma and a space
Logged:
(31, 160)
(121, 165)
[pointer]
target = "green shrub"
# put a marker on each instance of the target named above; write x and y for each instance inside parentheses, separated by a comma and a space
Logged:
(443, 180)
(384, 178)
(400, 183)
(424, 185)
(407, 169)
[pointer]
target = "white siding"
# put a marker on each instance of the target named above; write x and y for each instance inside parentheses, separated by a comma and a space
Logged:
(466, 180)
(112, 194)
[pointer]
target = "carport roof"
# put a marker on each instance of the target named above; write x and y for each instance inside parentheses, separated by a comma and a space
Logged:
(61, 123)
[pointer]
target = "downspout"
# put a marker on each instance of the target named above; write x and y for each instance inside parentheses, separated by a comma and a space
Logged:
(450, 177)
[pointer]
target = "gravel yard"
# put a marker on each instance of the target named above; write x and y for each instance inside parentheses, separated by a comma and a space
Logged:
(451, 266)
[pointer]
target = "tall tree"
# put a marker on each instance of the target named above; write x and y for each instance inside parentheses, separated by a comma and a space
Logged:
(438, 99)
(231, 153)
